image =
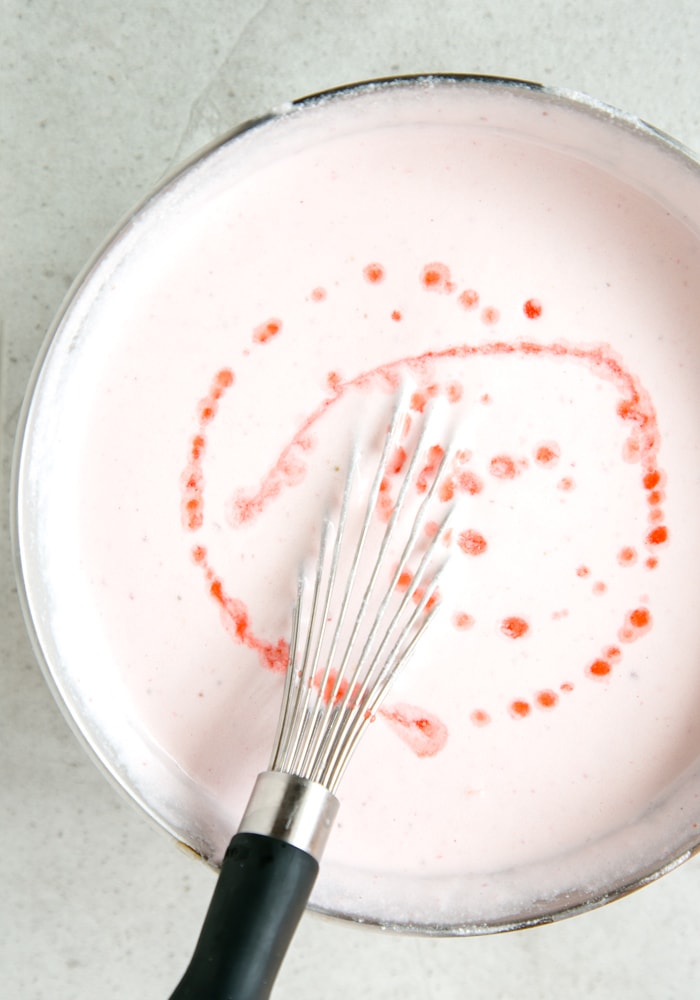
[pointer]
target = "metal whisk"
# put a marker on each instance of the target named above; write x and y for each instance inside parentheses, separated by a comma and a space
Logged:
(370, 598)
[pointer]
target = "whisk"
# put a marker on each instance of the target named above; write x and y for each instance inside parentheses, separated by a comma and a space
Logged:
(357, 618)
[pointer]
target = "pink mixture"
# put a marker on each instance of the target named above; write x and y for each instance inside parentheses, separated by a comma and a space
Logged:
(253, 322)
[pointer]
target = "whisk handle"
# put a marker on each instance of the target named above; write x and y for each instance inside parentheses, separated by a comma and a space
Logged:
(261, 893)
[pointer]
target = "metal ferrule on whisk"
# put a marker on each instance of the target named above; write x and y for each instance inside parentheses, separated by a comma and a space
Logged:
(298, 811)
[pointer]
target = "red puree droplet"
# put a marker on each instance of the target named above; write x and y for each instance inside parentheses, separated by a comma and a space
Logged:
(447, 489)
(514, 628)
(331, 680)
(423, 732)
(490, 316)
(626, 409)
(374, 273)
(435, 456)
(266, 331)
(318, 294)
(397, 462)
(627, 556)
(472, 543)
(207, 409)
(385, 502)
(599, 669)
(566, 484)
(469, 482)
(582, 571)
(599, 587)
(652, 479)
(479, 717)
(333, 381)
(504, 467)
(519, 709)
(418, 402)
(658, 536)
(637, 623)
(632, 449)
(640, 618)
(547, 699)
(462, 620)
(436, 278)
(396, 315)
(532, 308)
(432, 600)
(547, 453)
(469, 299)
(198, 443)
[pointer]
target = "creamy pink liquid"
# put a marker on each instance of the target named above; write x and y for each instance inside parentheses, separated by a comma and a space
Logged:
(229, 347)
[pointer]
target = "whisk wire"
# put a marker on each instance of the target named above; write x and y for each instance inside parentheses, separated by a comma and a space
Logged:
(367, 689)
(403, 562)
(309, 746)
(397, 419)
(330, 699)
(379, 561)
(288, 703)
(331, 682)
(344, 695)
(400, 652)
(293, 750)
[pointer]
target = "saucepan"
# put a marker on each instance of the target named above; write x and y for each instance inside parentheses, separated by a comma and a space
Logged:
(532, 252)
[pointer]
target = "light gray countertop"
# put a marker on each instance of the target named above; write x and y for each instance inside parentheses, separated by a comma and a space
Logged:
(98, 101)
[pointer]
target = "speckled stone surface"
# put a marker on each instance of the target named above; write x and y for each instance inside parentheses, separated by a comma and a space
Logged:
(98, 101)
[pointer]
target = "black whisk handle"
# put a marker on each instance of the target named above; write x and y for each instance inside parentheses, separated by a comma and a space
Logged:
(259, 898)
